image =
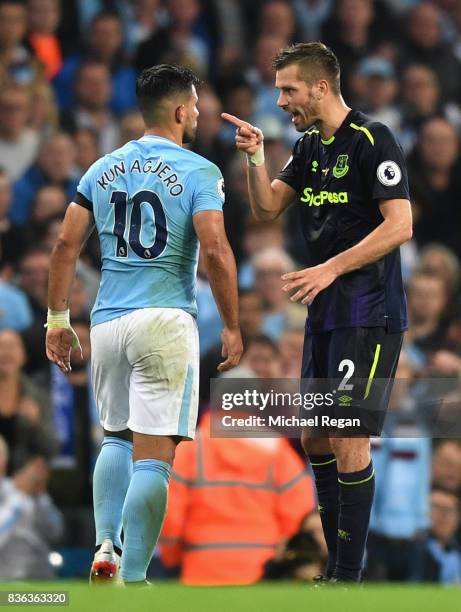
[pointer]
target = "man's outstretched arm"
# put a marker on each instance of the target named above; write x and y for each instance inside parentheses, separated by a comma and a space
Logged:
(267, 199)
(60, 338)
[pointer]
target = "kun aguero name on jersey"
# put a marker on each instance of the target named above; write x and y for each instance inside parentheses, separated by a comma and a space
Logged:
(157, 167)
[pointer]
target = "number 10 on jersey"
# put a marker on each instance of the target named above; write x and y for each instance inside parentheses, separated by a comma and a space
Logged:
(120, 201)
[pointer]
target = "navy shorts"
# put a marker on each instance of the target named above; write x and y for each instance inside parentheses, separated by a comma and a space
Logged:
(358, 364)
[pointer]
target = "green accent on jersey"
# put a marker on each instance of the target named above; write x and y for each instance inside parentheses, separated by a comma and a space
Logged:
(372, 371)
(341, 168)
(312, 131)
(365, 130)
(314, 166)
(357, 482)
(325, 462)
(344, 535)
(319, 199)
(329, 141)
(320, 508)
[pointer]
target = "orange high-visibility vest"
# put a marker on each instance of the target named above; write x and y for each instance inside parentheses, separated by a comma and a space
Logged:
(231, 502)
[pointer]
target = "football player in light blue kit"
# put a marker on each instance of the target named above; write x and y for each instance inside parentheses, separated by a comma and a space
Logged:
(151, 202)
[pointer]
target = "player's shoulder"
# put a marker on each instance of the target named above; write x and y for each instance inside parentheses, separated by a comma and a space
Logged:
(306, 141)
(198, 162)
(372, 131)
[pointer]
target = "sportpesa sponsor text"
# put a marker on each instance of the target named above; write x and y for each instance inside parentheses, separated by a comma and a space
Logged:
(323, 197)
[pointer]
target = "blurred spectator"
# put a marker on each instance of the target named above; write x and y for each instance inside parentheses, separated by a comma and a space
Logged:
(104, 46)
(16, 62)
(142, 21)
(446, 466)
(238, 100)
(253, 493)
(277, 19)
(269, 265)
(232, 28)
(91, 109)
(177, 42)
(208, 142)
(54, 166)
(291, 351)
(50, 200)
(29, 520)
(310, 16)
(262, 357)
(378, 89)
(261, 75)
(442, 559)
(426, 46)
(12, 239)
(86, 149)
(435, 184)
(33, 280)
(427, 305)
(15, 312)
(77, 428)
(258, 236)
(400, 513)
(421, 100)
(298, 560)
(355, 31)
(18, 142)
(437, 260)
(251, 318)
(25, 417)
(131, 127)
(44, 16)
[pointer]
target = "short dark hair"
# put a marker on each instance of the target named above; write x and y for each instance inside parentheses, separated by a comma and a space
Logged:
(159, 82)
(315, 60)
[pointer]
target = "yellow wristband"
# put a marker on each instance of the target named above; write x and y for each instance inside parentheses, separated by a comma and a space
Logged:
(257, 159)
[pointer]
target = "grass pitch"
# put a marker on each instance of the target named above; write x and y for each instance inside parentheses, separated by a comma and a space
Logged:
(280, 597)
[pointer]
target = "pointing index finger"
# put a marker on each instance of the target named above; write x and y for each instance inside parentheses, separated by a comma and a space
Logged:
(234, 120)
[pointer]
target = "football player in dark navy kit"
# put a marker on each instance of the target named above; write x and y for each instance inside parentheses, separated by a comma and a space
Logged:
(347, 178)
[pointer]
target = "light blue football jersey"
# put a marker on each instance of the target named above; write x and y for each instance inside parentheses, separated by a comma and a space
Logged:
(143, 197)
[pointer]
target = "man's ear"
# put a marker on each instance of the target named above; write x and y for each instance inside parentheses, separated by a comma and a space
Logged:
(180, 114)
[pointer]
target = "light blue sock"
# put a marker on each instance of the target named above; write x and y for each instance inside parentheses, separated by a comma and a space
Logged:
(111, 479)
(143, 514)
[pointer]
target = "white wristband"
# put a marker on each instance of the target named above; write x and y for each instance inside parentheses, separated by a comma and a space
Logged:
(57, 319)
(60, 319)
(257, 159)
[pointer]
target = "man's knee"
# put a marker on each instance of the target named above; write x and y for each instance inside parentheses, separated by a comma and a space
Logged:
(125, 434)
(315, 446)
(352, 453)
(162, 448)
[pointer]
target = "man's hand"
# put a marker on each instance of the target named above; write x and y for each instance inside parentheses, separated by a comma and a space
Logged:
(248, 138)
(232, 348)
(58, 346)
(32, 479)
(309, 282)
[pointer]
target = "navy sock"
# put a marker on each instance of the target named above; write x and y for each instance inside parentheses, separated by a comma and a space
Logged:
(356, 491)
(326, 481)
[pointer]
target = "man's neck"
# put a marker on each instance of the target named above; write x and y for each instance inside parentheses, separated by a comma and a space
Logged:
(333, 117)
(164, 132)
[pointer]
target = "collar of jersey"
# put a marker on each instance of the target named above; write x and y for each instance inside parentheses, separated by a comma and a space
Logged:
(342, 130)
(154, 136)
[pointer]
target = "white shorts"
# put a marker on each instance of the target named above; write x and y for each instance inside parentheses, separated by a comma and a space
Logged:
(145, 371)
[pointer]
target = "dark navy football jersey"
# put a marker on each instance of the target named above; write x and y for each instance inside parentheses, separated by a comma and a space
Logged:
(339, 184)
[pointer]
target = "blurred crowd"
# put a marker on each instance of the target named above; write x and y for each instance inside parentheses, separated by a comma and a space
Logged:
(67, 96)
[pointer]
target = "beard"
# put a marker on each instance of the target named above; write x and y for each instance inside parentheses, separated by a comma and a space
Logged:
(189, 135)
(308, 115)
